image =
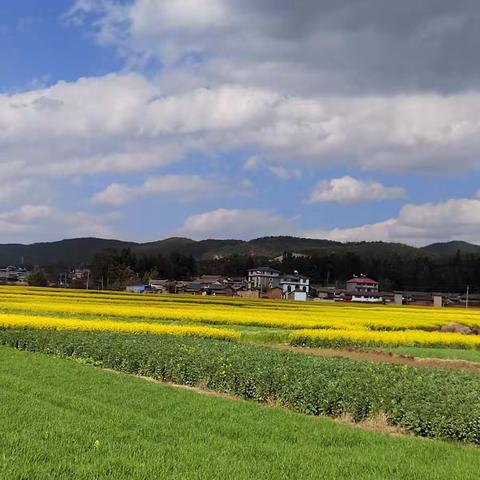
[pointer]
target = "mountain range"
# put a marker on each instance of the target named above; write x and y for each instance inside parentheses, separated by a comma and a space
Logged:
(80, 251)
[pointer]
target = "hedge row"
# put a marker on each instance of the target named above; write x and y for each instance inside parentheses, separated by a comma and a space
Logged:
(433, 403)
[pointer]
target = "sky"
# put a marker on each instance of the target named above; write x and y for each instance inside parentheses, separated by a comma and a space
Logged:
(349, 120)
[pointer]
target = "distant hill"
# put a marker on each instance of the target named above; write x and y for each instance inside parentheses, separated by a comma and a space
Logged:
(80, 251)
(74, 251)
(451, 248)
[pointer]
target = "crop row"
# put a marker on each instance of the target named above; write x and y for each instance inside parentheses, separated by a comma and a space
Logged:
(358, 318)
(11, 321)
(306, 337)
(229, 310)
(353, 338)
(427, 402)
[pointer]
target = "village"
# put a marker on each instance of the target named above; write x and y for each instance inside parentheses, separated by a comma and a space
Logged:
(263, 283)
(269, 283)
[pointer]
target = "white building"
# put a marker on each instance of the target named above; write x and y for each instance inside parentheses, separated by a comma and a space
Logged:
(293, 287)
(297, 296)
(367, 298)
(295, 283)
(14, 274)
(263, 277)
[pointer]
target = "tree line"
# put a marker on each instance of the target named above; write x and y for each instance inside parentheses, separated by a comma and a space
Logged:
(113, 269)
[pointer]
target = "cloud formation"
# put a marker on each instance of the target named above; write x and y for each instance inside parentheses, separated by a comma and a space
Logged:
(313, 45)
(182, 187)
(298, 88)
(132, 126)
(44, 222)
(454, 219)
(235, 223)
(351, 190)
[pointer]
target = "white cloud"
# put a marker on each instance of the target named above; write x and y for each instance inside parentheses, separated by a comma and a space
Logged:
(183, 187)
(235, 223)
(277, 85)
(31, 223)
(454, 219)
(124, 123)
(351, 190)
(300, 85)
(307, 45)
(150, 17)
(220, 109)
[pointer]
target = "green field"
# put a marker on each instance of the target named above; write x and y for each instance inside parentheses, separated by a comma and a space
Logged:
(65, 420)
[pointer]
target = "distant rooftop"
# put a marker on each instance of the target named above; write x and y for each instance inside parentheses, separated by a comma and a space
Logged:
(363, 280)
(264, 269)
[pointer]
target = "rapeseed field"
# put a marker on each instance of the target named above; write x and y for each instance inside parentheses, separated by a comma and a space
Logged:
(311, 323)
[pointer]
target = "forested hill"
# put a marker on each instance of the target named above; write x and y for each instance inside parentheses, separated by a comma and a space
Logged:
(72, 252)
(451, 248)
(80, 251)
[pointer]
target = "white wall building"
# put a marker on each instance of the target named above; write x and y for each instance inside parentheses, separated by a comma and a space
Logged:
(263, 277)
(294, 283)
(297, 296)
(367, 298)
(294, 287)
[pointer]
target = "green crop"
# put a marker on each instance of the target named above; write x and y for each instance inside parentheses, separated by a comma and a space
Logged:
(434, 403)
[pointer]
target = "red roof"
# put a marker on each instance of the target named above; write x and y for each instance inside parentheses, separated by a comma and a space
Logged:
(368, 281)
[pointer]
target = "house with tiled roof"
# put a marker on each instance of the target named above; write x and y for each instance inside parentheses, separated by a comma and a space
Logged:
(362, 284)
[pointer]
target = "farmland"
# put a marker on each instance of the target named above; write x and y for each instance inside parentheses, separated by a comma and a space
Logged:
(224, 345)
(65, 420)
(307, 324)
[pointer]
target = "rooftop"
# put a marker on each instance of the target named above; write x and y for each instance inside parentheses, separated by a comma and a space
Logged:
(363, 280)
(264, 269)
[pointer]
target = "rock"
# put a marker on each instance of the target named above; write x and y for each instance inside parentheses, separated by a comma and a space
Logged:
(456, 328)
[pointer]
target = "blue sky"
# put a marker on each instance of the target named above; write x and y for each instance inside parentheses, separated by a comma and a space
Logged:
(143, 119)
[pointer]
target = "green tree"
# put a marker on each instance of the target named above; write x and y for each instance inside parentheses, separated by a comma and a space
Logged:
(38, 278)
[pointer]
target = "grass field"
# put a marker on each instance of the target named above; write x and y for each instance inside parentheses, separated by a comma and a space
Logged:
(64, 420)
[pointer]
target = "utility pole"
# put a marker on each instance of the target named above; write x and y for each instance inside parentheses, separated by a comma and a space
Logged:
(468, 291)
(88, 278)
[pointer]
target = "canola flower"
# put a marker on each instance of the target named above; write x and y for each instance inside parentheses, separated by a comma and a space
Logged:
(238, 312)
(342, 324)
(54, 323)
(196, 313)
(391, 338)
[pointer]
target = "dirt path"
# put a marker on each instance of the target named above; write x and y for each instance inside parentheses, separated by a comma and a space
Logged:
(385, 357)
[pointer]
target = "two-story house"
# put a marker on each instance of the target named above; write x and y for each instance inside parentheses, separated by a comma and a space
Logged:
(263, 278)
(362, 284)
